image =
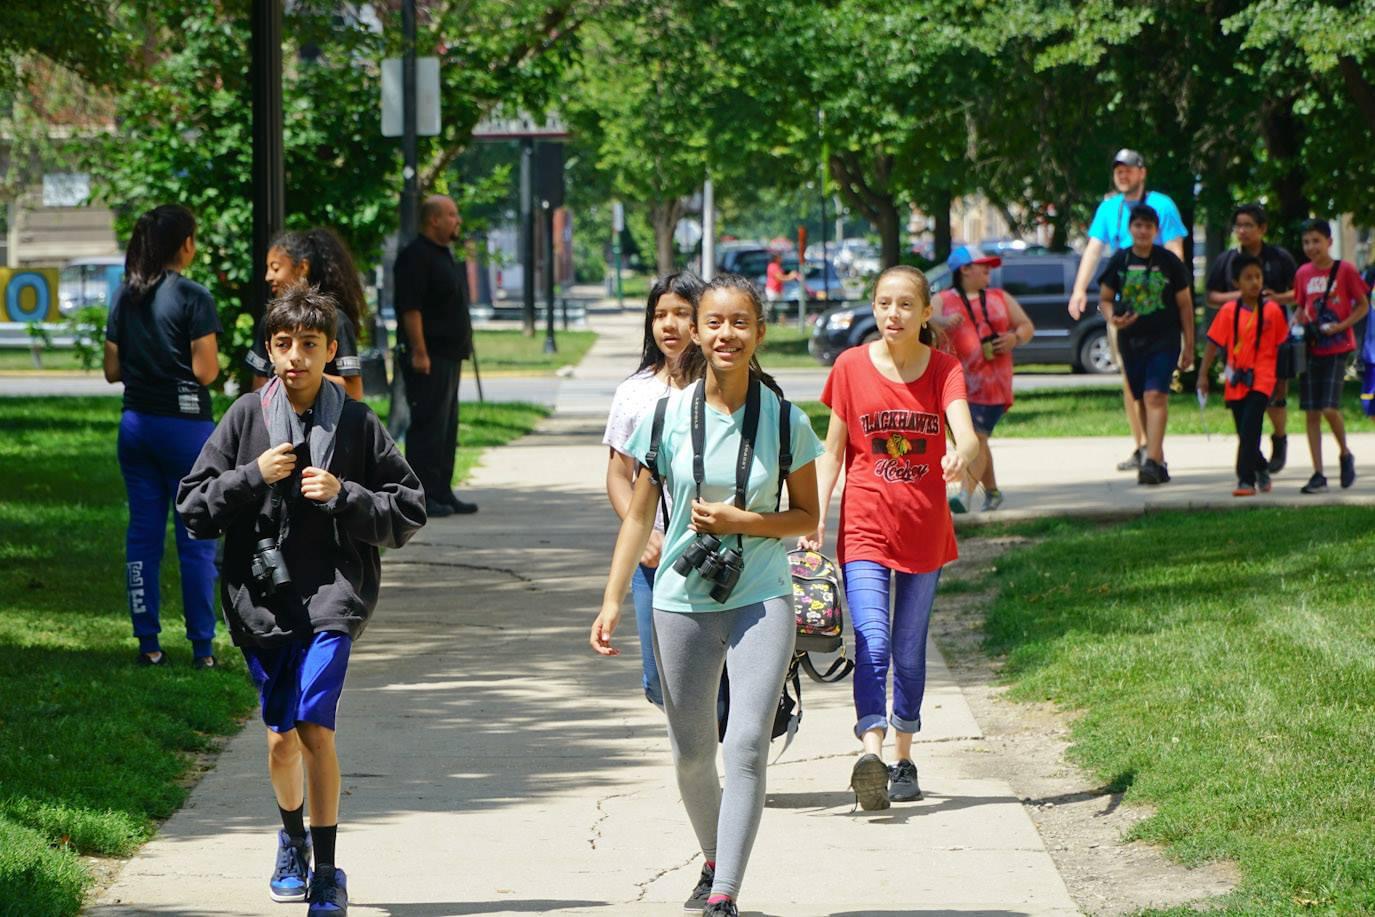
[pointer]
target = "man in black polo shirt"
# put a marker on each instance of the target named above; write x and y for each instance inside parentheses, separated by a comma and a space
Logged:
(437, 334)
(1249, 222)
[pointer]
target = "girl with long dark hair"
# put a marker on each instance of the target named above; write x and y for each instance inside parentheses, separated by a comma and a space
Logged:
(668, 333)
(892, 403)
(719, 458)
(318, 257)
(160, 342)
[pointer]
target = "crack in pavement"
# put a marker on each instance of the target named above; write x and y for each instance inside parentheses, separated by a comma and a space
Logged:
(461, 566)
(602, 816)
(644, 886)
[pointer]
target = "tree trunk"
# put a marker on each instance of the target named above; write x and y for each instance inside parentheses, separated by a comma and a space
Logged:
(664, 215)
(941, 214)
(1360, 89)
(1059, 228)
(1283, 135)
(889, 225)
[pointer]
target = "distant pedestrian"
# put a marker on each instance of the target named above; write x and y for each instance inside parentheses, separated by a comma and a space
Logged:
(774, 278)
(668, 332)
(982, 337)
(305, 486)
(319, 258)
(719, 458)
(1248, 330)
(1146, 294)
(160, 342)
(892, 403)
(1110, 230)
(1331, 299)
(1249, 223)
(436, 331)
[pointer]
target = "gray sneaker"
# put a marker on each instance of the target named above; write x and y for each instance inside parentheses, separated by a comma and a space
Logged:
(992, 500)
(902, 782)
(869, 780)
(1134, 462)
(698, 900)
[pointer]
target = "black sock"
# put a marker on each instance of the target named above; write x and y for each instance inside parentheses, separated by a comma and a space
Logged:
(294, 822)
(322, 839)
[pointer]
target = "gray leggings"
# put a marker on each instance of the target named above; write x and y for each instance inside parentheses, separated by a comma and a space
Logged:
(756, 641)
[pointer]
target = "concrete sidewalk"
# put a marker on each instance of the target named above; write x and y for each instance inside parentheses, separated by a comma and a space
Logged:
(493, 765)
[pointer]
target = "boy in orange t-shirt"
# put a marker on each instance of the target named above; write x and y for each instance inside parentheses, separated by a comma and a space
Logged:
(1249, 332)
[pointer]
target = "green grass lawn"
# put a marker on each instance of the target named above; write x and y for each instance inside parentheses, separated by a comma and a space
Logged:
(92, 749)
(512, 351)
(785, 347)
(1098, 412)
(21, 359)
(1224, 666)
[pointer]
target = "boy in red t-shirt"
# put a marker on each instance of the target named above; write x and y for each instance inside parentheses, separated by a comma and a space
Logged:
(1249, 332)
(1331, 299)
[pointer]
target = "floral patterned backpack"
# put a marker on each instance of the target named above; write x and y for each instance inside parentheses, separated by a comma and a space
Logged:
(820, 618)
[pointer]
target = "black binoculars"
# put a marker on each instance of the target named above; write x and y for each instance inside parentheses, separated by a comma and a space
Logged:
(721, 567)
(269, 567)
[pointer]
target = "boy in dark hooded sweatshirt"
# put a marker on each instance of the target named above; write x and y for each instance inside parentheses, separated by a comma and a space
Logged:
(305, 485)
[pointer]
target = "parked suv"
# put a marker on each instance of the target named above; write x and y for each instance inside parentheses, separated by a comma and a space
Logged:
(1040, 282)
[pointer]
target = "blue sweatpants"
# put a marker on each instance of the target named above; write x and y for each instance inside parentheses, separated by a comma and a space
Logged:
(881, 639)
(155, 453)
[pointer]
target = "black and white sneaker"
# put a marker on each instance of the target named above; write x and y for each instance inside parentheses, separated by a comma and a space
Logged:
(698, 900)
(902, 782)
(869, 780)
(1134, 462)
(1152, 473)
(1316, 484)
(725, 908)
(1348, 465)
(1279, 454)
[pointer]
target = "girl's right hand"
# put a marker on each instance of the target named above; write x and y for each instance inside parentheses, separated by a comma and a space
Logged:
(602, 628)
(277, 463)
(814, 541)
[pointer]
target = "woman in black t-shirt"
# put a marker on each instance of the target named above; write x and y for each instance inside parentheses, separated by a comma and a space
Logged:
(318, 257)
(160, 342)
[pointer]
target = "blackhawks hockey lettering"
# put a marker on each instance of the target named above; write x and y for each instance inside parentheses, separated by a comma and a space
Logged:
(901, 438)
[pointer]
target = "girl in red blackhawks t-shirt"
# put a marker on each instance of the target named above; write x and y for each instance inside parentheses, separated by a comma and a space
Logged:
(890, 403)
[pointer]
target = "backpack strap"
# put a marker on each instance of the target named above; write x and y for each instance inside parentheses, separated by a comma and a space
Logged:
(651, 460)
(785, 448)
(837, 670)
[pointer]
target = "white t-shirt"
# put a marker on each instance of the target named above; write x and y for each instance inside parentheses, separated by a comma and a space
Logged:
(634, 400)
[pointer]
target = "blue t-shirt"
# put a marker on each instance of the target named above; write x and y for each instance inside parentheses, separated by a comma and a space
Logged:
(1110, 222)
(766, 574)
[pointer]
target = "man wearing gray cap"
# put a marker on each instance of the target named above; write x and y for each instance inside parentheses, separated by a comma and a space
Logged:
(1109, 230)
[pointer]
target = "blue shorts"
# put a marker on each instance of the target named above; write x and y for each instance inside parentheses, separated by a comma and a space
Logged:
(300, 682)
(1149, 371)
(986, 416)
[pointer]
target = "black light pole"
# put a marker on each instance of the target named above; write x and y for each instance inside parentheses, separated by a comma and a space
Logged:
(527, 229)
(269, 208)
(549, 344)
(410, 192)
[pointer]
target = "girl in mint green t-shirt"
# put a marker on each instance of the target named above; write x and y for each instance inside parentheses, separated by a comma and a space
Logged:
(699, 625)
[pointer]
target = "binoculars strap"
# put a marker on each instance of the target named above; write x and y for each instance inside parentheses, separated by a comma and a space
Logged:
(743, 460)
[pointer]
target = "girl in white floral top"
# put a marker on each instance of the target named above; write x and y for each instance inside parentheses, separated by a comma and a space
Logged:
(668, 333)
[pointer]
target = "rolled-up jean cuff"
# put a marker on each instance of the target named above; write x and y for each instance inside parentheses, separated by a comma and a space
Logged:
(907, 726)
(873, 721)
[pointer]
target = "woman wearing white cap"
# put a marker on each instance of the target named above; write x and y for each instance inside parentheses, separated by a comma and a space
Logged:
(981, 325)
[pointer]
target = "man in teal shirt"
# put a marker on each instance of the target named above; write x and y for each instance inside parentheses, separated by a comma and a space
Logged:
(1109, 231)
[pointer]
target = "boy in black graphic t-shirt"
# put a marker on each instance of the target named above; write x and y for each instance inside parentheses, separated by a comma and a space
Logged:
(1145, 293)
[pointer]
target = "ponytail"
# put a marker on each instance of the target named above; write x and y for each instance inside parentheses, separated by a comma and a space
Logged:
(153, 245)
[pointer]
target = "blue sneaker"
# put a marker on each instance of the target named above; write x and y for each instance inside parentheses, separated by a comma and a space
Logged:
(291, 878)
(329, 893)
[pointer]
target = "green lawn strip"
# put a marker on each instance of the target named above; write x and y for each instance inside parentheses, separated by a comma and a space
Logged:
(92, 748)
(21, 359)
(1225, 669)
(512, 351)
(785, 347)
(1098, 412)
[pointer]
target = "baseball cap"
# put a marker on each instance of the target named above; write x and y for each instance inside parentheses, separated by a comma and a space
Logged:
(1126, 157)
(970, 254)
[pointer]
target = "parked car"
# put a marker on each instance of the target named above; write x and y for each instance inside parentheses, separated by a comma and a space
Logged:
(1041, 283)
(89, 282)
(823, 281)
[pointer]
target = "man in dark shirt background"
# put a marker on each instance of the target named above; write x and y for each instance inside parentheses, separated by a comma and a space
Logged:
(437, 334)
(1249, 222)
